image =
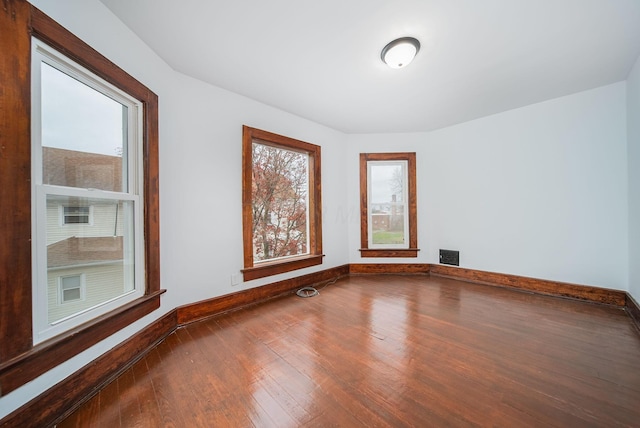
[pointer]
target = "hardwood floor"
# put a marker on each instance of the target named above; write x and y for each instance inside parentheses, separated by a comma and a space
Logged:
(387, 350)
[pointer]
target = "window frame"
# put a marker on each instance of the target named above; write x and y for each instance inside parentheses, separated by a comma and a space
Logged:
(365, 249)
(131, 191)
(254, 270)
(405, 198)
(20, 360)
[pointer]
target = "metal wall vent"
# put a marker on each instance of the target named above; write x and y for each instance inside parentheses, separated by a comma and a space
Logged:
(450, 257)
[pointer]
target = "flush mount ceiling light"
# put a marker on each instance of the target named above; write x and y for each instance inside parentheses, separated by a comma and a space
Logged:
(400, 52)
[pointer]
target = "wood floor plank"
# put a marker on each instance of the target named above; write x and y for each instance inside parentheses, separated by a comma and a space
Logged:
(225, 379)
(87, 416)
(296, 380)
(109, 406)
(194, 370)
(276, 402)
(128, 399)
(388, 351)
(172, 379)
(170, 410)
(149, 409)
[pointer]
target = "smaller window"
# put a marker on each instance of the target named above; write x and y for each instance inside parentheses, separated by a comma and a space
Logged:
(388, 205)
(71, 288)
(76, 215)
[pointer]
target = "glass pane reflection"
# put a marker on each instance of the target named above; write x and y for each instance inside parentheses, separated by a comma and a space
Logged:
(83, 134)
(89, 259)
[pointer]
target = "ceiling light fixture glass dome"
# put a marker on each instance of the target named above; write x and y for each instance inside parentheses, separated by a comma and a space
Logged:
(400, 52)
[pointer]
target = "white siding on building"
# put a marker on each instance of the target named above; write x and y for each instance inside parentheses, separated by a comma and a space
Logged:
(103, 224)
(103, 282)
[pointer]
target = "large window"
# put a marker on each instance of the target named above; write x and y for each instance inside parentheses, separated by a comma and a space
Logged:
(91, 134)
(388, 205)
(79, 241)
(281, 204)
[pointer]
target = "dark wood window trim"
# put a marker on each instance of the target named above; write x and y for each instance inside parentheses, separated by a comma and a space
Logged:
(365, 251)
(20, 361)
(260, 270)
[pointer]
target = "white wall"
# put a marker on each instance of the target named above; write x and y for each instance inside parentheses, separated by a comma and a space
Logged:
(200, 177)
(539, 191)
(633, 141)
(201, 196)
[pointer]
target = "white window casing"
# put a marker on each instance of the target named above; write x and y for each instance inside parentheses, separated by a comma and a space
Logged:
(374, 204)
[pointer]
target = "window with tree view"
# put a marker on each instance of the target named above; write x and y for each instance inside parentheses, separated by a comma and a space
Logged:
(280, 209)
(281, 212)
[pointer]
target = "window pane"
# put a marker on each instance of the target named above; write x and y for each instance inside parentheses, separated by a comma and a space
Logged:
(69, 295)
(83, 134)
(70, 282)
(279, 202)
(387, 183)
(71, 288)
(76, 219)
(76, 210)
(73, 215)
(103, 252)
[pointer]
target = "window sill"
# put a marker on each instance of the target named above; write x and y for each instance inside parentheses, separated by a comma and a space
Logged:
(405, 252)
(273, 268)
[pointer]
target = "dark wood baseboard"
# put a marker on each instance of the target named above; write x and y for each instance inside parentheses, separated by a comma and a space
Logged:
(59, 401)
(541, 286)
(62, 399)
(45, 356)
(217, 305)
(633, 309)
(389, 268)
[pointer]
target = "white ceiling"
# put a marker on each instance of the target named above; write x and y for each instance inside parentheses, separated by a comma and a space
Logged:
(321, 59)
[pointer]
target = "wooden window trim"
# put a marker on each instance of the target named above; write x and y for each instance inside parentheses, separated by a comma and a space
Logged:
(365, 251)
(254, 271)
(20, 361)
